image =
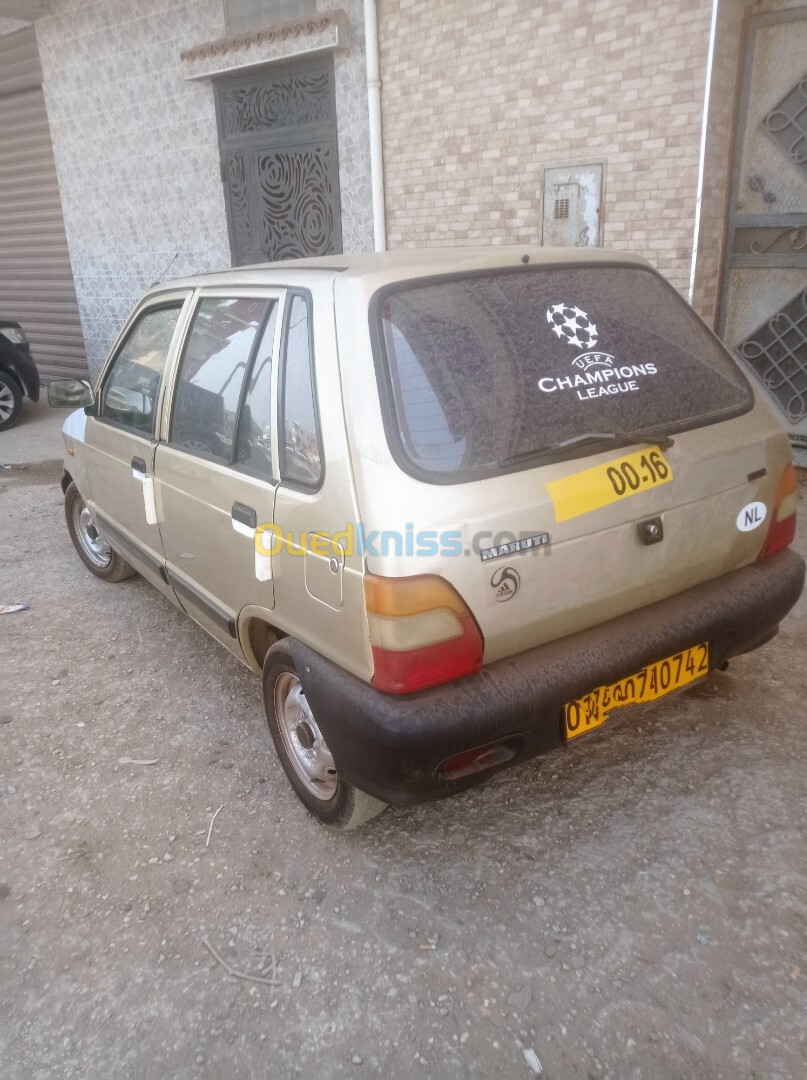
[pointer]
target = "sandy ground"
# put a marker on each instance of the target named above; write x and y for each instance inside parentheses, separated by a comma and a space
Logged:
(630, 907)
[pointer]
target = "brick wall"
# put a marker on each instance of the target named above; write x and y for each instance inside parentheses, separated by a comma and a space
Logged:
(479, 96)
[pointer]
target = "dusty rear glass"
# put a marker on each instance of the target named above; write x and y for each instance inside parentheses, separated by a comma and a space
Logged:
(485, 368)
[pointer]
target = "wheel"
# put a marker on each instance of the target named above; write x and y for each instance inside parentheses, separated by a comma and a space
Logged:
(303, 752)
(93, 550)
(10, 402)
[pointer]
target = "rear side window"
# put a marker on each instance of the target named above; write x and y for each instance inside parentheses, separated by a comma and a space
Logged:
(132, 387)
(211, 375)
(483, 369)
(300, 453)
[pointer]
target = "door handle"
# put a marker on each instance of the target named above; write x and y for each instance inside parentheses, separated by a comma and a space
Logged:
(138, 465)
(245, 515)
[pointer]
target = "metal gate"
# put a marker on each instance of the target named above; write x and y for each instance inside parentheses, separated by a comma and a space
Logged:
(36, 279)
(764, 308)
(280, 169)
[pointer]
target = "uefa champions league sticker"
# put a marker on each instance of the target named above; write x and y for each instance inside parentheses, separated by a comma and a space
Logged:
(598, 374)
(572, 325)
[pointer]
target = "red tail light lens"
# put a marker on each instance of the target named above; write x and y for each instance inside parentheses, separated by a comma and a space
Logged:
(421, 633)
(782, 529)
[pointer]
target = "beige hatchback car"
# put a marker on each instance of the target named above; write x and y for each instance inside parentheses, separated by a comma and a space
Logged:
(455, 507)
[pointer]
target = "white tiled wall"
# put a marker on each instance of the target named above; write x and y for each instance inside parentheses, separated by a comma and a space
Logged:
(136, 148)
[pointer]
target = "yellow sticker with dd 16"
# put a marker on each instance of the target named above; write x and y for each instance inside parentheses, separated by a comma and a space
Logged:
(590, 489)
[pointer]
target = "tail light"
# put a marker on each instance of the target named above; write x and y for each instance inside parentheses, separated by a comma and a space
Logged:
(421, 632)
(782, 530)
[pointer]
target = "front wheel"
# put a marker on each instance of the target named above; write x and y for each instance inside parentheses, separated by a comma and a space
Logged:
(10, 402)
(303, 752)
(93, 550)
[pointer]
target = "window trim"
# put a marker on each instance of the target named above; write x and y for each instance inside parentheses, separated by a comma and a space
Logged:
(178, 300)
(298, 485)
(269, 297)
(467, 476)
(252, 474)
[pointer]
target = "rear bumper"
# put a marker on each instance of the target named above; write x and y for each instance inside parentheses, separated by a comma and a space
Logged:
(391, 747)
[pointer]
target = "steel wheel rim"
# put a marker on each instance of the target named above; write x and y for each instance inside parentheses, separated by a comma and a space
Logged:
(6, 402)
(305, 747)
(92, 543)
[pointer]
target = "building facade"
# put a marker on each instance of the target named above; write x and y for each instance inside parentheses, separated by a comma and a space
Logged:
(182, 148)
(193, 134)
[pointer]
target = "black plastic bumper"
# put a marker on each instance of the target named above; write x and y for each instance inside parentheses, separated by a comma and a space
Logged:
(391, 746)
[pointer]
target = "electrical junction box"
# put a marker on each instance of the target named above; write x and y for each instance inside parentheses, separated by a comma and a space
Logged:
(572, 205)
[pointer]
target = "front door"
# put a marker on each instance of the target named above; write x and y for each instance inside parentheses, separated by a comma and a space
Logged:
(764, 310)
(279, 163)
(121, 437)
(215, 481)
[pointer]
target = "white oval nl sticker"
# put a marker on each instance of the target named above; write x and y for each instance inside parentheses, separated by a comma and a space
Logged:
(751, 516)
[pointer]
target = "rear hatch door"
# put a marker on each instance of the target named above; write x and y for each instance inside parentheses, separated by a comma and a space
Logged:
(593, 441)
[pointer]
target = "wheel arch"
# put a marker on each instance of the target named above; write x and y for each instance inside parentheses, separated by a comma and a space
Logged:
(257, 633)
(12, 376)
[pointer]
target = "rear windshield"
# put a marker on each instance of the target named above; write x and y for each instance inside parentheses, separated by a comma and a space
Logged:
(482, 369)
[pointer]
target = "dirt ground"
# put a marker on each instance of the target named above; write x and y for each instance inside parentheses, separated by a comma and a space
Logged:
(630, 907)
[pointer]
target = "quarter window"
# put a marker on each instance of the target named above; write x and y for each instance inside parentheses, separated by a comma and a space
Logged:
(253, 451)
(301, 457)
(211, 375)
(132, 388)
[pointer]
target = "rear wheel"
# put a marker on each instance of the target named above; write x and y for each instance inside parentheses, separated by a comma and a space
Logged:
(303, 752)
(93, 550)
(10, 402)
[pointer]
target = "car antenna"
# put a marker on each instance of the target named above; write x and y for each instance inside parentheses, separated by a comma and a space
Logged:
(168, 266)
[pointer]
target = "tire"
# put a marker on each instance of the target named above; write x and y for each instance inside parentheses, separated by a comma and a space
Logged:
(93, 550)
(10, 402)
(304, 753)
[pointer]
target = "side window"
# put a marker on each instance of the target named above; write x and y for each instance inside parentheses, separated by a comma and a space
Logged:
(211, 375)
(300, 452)
(131, 389)
(253, 447)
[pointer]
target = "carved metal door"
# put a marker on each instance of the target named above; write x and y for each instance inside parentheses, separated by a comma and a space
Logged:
(277, 139)
(764, 309)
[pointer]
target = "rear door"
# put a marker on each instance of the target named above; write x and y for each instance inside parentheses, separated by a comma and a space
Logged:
(216, 470)
(533, 409)
(121, 438)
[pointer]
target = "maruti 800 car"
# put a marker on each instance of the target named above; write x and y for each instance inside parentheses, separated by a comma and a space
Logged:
(454, 507)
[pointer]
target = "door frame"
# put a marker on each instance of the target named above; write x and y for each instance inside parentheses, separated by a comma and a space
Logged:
(149, 561)
(736, 220)
(268, 139)
(223, 622)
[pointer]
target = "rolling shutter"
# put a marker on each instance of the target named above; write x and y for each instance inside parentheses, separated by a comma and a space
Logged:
(36, 279)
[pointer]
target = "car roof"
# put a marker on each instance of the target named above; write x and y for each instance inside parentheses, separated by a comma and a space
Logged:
(405, 263)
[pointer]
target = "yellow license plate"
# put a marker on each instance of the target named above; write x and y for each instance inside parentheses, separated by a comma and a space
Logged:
(649, 684)
(618, 479)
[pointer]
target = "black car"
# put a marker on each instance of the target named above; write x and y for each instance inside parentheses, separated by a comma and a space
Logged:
(18, 375)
